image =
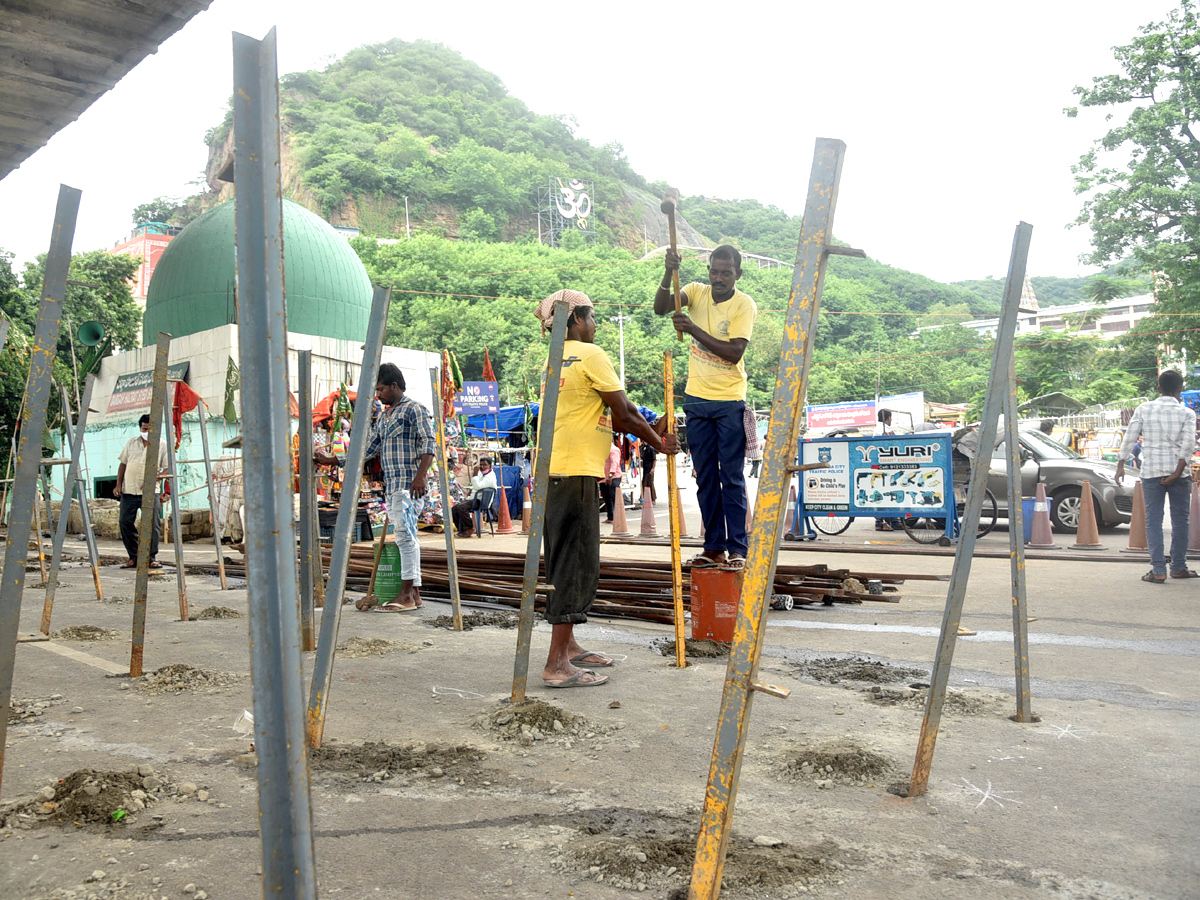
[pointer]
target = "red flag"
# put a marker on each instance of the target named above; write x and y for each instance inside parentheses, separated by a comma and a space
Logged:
(293, 406)
(488, 374)
(448, 389)
(185, 401)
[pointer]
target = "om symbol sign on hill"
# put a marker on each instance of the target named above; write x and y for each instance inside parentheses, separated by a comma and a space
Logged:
(575, 203)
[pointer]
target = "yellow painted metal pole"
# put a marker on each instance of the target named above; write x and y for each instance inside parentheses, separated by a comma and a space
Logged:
(676, 510)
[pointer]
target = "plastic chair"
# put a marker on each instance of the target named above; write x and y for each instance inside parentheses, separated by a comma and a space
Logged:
(484, 507)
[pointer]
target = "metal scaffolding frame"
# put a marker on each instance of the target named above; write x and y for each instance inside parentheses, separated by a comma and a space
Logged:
(564, 206)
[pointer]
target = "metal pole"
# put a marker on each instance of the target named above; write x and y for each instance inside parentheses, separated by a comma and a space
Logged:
(69, 483)
(173, 475)
(673, 503)
(29, 448)
(308, 499)
(149, 513)
(997, 386)
(1016, 546)
(85, 514)
(541, 481)
(339, 554)
(284, 802)
(447, 520)
(212, 497)
(37, 528)
(791, 384)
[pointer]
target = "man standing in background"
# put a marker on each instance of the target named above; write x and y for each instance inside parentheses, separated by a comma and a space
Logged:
(130, 475)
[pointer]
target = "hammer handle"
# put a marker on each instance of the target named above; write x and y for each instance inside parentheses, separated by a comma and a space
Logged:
(675, 272)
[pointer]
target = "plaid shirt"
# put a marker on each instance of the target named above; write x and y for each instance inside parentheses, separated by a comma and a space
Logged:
(402, 435)
(1168, 432)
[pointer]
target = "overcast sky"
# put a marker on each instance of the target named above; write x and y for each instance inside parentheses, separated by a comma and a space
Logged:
(951, 111)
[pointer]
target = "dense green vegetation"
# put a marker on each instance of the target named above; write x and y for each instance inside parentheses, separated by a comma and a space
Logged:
(1054, 291)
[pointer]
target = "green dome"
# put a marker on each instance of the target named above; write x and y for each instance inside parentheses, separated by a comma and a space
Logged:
(328, 290)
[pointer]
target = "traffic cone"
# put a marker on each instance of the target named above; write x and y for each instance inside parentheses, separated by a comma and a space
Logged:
(1043, 539)
(790, 521)
(526, 509)
(504, 523)
(620, 527)
(1087, 535)
(648, 526)
(1137, 525)
(1194, 521)
(683, 532)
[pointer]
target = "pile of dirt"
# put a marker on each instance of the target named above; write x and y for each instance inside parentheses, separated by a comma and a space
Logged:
(535, 721)
(834, 670)
(842, 762)
(957, 702)
(25, 711)
(218, 612)
(696, 649)
(178, 677)
(84, 633)
(376, 761)
(359, 647)
(854, 586)
(478, 620)
(636, 851)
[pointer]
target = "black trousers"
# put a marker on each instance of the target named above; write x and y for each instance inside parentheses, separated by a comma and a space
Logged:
(130, 504)
(608, 493)
(571, 539)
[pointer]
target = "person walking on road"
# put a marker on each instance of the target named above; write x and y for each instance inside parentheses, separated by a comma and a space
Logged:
(130, 475)
(1167, 428)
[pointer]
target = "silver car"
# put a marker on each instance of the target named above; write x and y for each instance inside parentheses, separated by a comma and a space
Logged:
(1063, 472)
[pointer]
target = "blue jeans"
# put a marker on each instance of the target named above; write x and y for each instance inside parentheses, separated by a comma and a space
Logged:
(716, 437)
(1156, 495)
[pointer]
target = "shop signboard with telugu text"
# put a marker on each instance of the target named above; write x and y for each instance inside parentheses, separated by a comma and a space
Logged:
(134, 389)
(856, 414)
(477, 397)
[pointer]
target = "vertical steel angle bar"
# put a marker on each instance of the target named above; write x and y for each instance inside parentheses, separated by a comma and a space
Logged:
(284, 800)
(547, 413)
(347, 520)
(212, 497)
(85, 512)
(675, 509)
(998, 385)
(1016, 547)
(791, 383)
(75, 439)
(176, 491)
(439, 430)
(141, 582)
(308, 504)
(29, 446)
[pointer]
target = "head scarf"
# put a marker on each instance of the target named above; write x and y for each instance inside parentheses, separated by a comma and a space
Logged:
(545, 309)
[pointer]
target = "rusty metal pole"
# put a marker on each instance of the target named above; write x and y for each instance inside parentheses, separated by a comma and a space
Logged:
(308, 497)
(38, 386)
(791, 384)
(547, 413)
(439, 430)
(141, 584)
(1016, 546)
(998, 386)
(675, 509)
(212, 497)
(176, 493)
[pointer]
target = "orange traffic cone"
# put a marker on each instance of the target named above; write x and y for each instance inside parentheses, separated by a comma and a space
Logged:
(1194, 521)
(1137, 525)
(683, 532)
(620, 527)
(504, 523)
(526, 509)
(790, 521)
(648, 525)
(1042, 536)
(1087, 535)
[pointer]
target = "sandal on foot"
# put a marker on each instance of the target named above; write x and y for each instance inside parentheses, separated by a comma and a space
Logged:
(395, 607)
(155, 564)
(588, 658)
(1151, 578)
(131, 564)
(584, 678)
(735, 563)
(1186, 573)
(704, 562)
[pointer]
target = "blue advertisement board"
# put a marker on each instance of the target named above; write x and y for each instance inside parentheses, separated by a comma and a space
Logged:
(883, 477)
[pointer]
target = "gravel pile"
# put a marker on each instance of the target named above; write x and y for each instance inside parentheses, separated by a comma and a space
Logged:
(532, 721)
(177, 678)
(218, 612)
(84, 633)
(25, 711)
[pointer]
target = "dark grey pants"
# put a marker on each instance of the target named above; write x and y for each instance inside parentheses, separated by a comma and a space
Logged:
(130, 504)
(571, 538)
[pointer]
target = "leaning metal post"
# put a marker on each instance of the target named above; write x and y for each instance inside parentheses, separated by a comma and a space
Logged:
(307, 498)
(85, 514)
(1016, 546)
(347, 519)
(284, 801)
(439, 430)
(998, 385)
(141, 584)
(541, 482)
(29, 446)
(176, 492)
(69, 483)
(791, 384)
(212, 497)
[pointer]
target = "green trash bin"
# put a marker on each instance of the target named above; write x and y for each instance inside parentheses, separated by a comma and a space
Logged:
(388, 580)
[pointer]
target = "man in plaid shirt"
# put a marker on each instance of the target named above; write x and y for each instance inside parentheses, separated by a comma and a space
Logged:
(1168, 432)
(403, 440)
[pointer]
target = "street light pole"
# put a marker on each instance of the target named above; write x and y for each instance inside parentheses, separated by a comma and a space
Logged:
(621, 320)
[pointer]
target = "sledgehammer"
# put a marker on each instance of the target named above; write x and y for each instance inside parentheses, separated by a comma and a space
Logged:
(668, 206)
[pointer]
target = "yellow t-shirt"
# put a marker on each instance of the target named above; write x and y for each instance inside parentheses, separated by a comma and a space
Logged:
(709, 376)
(583, 424)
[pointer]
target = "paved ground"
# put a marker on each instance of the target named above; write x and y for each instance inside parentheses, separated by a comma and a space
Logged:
(1101, 798)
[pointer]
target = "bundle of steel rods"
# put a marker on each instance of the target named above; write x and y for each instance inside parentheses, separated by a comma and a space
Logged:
(629, 588)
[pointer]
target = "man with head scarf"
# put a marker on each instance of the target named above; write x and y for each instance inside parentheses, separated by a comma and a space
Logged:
(591, 404)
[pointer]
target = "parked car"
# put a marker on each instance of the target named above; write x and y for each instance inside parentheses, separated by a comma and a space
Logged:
(1103, 443)
(1063, 472)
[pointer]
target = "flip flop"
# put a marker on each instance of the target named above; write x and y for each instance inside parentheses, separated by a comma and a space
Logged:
(1151, 578)
(1186, 573)
(577, 680)
(395, 607)
(734, 564)
(581, 660)
(132, 564)
(703, 562)
(155, 564)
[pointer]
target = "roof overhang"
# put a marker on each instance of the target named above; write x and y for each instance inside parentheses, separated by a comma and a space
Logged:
(57, 58)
